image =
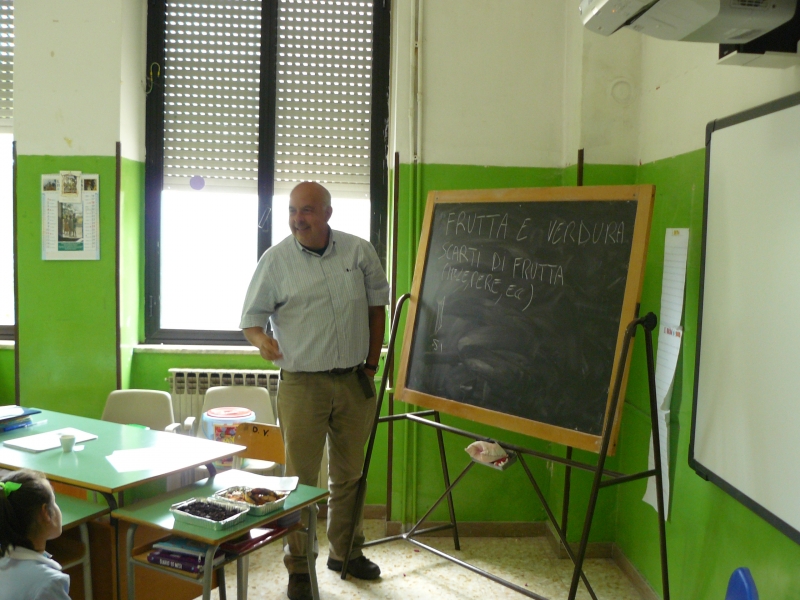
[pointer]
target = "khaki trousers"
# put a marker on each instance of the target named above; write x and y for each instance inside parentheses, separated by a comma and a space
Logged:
(312, 406)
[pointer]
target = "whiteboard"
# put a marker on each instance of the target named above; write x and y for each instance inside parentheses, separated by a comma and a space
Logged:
(746, 421)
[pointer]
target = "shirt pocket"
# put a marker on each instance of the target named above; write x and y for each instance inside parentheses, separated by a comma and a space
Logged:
(352, 285)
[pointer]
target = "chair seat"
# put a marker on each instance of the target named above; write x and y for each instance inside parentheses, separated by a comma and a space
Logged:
(251, 465)
(258, 466)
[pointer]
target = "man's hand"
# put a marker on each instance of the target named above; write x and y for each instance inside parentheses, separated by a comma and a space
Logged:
(267, 345)
(269, 348)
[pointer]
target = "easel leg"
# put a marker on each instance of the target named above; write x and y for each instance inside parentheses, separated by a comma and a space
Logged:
(662, 516)
(567, 483)
(446, 475)
(562, 535)
(601, 458)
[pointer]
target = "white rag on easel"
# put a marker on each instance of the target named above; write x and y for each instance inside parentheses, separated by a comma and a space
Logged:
(486, 452)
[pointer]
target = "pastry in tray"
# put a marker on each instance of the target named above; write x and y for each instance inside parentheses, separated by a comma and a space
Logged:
(256, 498)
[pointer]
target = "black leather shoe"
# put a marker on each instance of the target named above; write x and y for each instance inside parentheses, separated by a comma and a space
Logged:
(299, 587)
(360, 568)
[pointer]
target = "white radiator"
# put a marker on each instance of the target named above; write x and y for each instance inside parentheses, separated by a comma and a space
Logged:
(188, 387)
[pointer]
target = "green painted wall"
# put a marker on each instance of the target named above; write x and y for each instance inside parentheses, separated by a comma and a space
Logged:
(67, 309)
(67, 362)
(7, 375)
(709, 534)
(131, 262)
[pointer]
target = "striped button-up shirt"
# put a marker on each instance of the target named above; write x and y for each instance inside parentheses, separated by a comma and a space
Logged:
(317, 304)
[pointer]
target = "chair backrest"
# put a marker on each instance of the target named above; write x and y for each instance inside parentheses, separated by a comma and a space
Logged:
(263, 442)
(255, 398)
(151, 408)
(741, 586)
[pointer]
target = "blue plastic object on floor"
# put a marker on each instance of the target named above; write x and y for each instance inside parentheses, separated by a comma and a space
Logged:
(741, 586)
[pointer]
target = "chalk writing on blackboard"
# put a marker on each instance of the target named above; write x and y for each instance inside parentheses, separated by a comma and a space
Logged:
(519, 306)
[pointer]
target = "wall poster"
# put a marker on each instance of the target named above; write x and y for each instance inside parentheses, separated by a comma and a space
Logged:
(70, 216)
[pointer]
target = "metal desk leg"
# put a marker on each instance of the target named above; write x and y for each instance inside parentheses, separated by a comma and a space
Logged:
(86, 564)
(242, 571)
(311, 536)
(207, 573)
(223, 590)
(129, 562)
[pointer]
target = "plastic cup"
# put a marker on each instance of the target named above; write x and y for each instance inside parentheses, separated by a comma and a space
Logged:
(67, 442)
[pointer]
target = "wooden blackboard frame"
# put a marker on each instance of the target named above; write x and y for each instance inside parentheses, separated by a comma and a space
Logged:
(644, 196)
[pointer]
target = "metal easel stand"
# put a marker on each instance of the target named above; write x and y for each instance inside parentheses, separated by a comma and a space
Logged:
(613, 477)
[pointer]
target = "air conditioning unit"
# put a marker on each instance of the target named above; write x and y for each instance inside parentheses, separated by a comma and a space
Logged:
(715, 21)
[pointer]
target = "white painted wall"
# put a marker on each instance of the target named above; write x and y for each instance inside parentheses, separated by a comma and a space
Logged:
(683, 88)
(521, 83)
(402, 103)
(492, 74)
(609, 116)
(69, 76)
(133, 70)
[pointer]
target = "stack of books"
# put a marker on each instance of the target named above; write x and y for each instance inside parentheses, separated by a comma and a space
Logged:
(255, 538)
(15, 417)
(183, 554)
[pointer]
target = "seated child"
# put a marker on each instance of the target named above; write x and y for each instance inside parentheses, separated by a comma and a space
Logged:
(29, 516)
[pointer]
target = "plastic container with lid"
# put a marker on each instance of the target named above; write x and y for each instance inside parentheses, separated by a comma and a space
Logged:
(219, 424)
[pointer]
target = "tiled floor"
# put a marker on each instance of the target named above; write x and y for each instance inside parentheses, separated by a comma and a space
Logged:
(409, 572)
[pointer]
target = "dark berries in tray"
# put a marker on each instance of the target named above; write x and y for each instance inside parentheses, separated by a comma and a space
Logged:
(211, 511)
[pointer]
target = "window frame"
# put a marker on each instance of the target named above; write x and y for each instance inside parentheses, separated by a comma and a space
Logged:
(9, 332)
(154, 161)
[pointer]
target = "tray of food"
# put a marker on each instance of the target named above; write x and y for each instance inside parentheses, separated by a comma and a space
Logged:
(259, 501)
(210, 513)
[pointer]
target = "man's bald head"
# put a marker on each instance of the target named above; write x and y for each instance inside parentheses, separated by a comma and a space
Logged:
(309, 212)
(312, 189)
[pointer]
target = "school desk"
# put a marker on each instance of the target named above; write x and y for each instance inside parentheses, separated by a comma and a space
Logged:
(122, 456)
(155, 512)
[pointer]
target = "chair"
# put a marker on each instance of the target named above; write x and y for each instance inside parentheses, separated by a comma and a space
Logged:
(262, 440)
(148, 408)
(254, 398)
(68, 552)
(741, 586)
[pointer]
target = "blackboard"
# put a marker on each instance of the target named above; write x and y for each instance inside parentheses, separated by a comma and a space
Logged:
(519, 304)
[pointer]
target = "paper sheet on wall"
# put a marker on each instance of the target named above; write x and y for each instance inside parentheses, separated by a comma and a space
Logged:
(676, 248)
(70, 216)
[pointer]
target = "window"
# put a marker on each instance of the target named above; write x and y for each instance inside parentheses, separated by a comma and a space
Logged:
(253, 97)
(7, 318)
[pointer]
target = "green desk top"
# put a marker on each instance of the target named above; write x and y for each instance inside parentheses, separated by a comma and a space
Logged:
(122, 456)
(75, 511)
(155, 511)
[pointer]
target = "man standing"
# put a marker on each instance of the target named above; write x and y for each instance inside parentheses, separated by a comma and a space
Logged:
(325, 293)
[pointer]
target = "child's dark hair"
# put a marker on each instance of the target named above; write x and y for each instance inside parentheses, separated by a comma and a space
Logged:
(18, 508)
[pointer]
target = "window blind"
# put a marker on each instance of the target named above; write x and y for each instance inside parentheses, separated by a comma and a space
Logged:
(211, 88)
(323, 95)
(6, 64)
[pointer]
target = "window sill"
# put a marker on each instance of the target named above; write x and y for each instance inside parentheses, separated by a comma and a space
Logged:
(193, 349)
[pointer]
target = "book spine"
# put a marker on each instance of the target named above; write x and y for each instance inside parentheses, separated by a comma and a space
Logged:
(173, 549)
(183, 565)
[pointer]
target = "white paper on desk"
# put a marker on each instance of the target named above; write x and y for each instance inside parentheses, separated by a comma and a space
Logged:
(676, 249)
(144, 459)
(48, 440)
(279, 484)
